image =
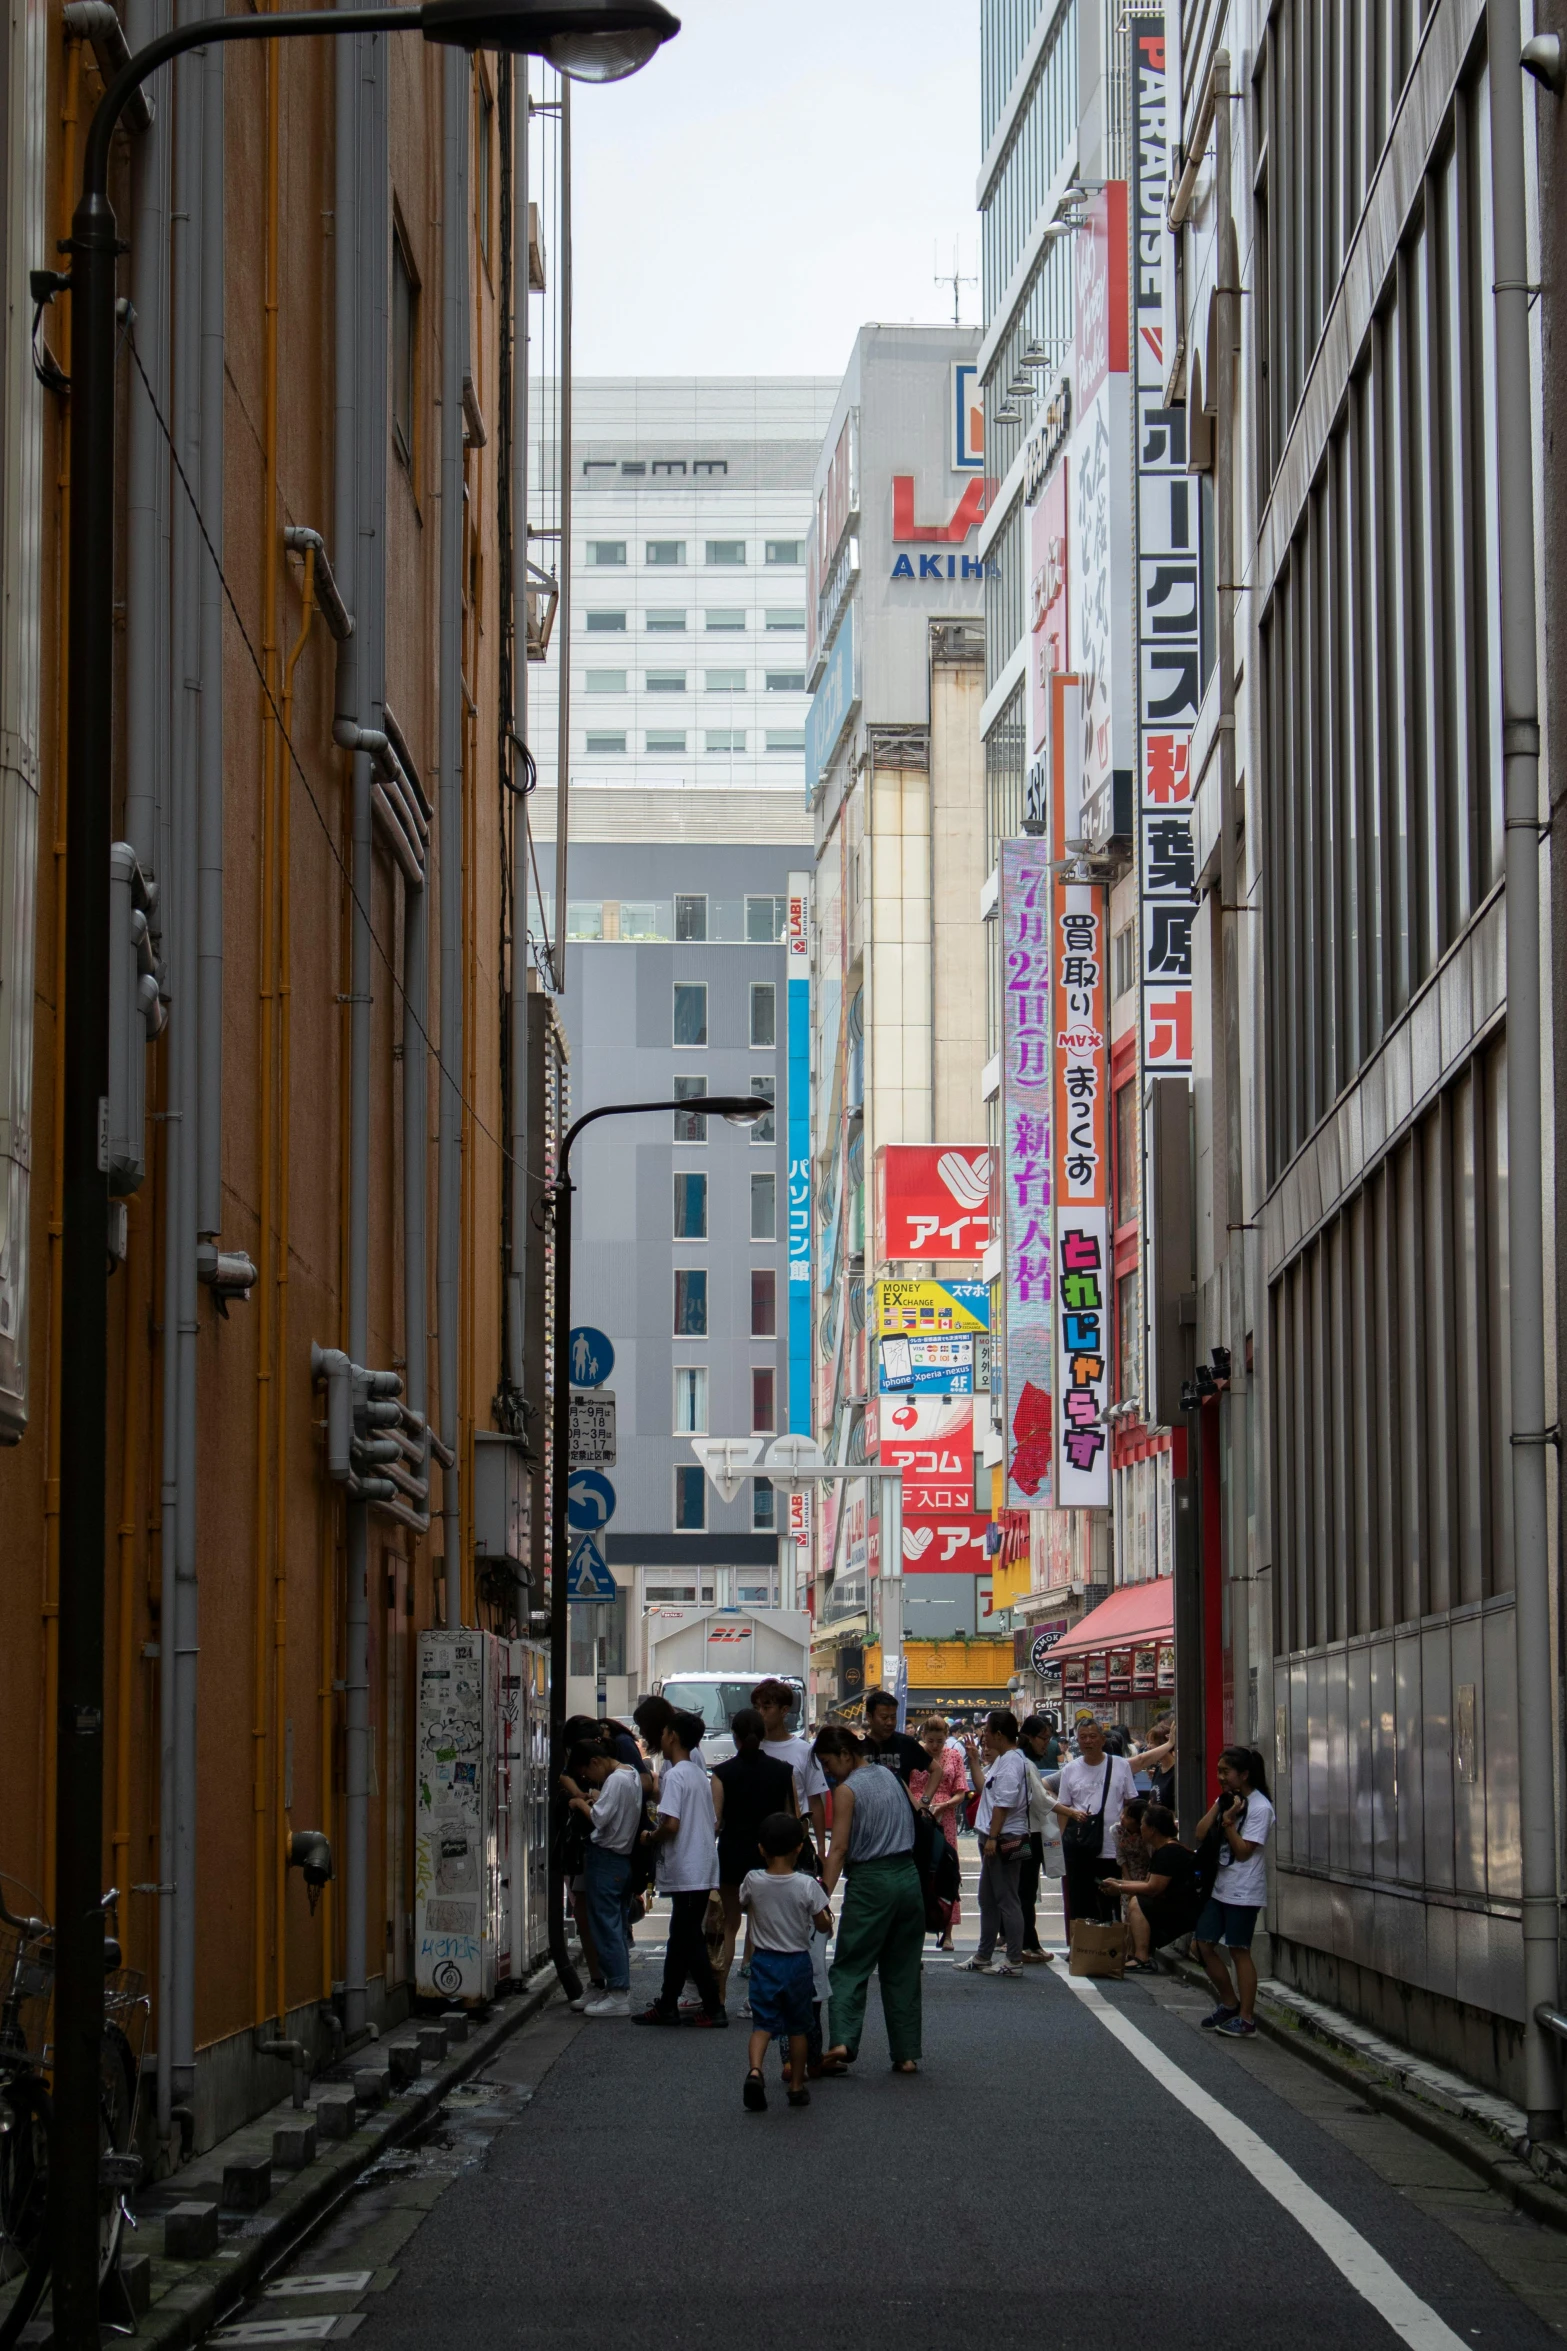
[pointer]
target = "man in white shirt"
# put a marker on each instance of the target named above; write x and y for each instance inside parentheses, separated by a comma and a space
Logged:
(1001, 1825)
(775, 1702)
(612, 1800)
(1093, 1787)
(687, 1839)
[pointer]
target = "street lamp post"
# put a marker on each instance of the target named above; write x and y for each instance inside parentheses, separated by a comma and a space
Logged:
(740, 1110)
(593, 40)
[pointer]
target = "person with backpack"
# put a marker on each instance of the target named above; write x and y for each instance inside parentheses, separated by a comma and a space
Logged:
(1164, 1898)
(1093, 1790)
(882, 1927)
(1237, 1824)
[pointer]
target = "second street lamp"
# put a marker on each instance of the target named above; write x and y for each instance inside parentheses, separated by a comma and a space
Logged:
(740, 1110)
(595, 40)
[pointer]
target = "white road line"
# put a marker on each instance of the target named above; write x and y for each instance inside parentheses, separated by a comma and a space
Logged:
(1412, 2320)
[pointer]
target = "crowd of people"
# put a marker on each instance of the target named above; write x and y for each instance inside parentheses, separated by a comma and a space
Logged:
(760, 1844)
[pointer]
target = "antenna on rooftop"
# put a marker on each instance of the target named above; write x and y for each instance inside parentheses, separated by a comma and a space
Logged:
(955, 277)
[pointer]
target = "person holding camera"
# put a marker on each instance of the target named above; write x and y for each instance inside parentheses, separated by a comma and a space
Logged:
(1241, 1817)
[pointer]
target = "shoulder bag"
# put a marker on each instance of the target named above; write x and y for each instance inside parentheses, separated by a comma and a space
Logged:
(1086, 1836)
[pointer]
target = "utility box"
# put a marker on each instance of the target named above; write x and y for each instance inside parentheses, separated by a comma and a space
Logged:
(501, 1518)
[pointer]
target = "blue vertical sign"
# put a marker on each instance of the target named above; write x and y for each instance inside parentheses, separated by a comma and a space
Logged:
(797, 956)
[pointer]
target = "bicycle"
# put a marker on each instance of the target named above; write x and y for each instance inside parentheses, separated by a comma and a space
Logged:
(26, 1998)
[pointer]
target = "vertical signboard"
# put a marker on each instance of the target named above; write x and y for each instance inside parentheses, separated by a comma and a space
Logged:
(1169, 669)
(1103, 646)
(1080, 1186)
(1025, 1167)
(797, 994)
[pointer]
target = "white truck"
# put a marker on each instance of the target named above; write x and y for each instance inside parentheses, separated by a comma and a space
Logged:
(709, 1660)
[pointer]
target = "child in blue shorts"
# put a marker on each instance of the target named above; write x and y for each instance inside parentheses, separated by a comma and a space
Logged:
(784, 1907)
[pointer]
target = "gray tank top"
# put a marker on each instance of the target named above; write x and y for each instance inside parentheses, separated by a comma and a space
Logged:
(883, 1823)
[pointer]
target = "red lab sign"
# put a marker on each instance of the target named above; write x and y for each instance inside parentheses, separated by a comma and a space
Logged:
(932, 1203)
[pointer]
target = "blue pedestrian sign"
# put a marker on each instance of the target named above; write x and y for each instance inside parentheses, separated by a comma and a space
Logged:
(590, 1500)
(590, 1357)
(587, 1576)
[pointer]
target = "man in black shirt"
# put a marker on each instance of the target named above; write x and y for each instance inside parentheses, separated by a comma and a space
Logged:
(1165, 1902)
(885, 1743)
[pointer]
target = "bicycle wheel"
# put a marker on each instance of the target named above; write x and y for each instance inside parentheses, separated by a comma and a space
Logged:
(116, 2119)
(24, 2171)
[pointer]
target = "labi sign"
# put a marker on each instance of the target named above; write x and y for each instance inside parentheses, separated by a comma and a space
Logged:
(968, 514)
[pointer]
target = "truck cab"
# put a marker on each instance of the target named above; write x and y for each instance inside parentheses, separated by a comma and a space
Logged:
(718, 1698)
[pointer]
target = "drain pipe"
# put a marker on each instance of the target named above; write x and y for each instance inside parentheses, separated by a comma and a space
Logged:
(454, 360)
(209, 771)
(517, 1140)
(1525, 1191)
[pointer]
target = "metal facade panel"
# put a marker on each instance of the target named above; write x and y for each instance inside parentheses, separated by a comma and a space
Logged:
(1410, 1793)
(1441, 1949)
(1362, 1763)
(1318, 1795)
(1503, 1876)
(1436, 1720)
(1468, 1773)
(1340, 1821)
(1384, 1735)
(1300, 1751)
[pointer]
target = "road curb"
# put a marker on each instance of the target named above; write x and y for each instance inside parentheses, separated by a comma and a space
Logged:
(191, 2298)
(1470, 2143)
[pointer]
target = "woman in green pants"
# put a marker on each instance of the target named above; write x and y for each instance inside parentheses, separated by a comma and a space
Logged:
(883, 1923)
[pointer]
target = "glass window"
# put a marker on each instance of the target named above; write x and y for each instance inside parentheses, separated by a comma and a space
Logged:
(763, 1382)
(690, 1207)
(787, 617)
(764, 1207)
(762, 1130)
(606, 681)
(690, 1125)
(405, 319)
(764, 1521)
(726, 550)
(786, 738)
(691, 1302)
(642, 918)
(666, 681)
(663, 740)
(690, 1011)
(764, 1013)
(764, 921)
(666, 624)
(783, 551)
(690, 1497)
(690, 1400)
(764, 1302)
(584, 918)
(727, 620)
(604, 746)
(725, 738)
(1126, 1155)
(666, 553)
(1130, 1330)
(603, 623)
(691, 918)
(725, 681)
(786, 681)
(606, 553)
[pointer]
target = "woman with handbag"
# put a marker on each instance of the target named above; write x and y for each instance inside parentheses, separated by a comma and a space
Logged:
(1001, 1825)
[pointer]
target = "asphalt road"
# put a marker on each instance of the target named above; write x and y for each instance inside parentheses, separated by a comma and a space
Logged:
(1045, 2173)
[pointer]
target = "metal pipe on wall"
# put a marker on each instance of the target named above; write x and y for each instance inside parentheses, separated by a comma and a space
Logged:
(563, 608)
(517, 1140)
(454, 356)
(1515, 445)
(209, 809)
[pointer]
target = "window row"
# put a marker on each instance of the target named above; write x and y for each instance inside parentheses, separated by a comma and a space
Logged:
(671, 742)
(751, 922)
(670, 554)
(1391, 1414)
(714, 681)
(691, 1206)
(728, 620)
(1380, 664)
(691, 1384)
(691, 1502)
(691, 1302)
(691, 1125)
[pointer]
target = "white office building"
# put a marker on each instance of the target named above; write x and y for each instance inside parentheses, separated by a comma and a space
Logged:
(691, 498)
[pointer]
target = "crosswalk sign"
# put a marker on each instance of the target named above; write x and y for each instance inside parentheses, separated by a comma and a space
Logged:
(587, 1574)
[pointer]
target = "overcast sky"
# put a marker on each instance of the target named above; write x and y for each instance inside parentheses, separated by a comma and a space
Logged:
(781, 172)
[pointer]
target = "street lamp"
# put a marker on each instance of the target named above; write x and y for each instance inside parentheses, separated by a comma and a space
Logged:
(597, 40)
(741, 1110)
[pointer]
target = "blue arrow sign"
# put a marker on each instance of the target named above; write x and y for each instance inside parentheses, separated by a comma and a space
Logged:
(589, 1357)
(587, 1576)
(590, 1500)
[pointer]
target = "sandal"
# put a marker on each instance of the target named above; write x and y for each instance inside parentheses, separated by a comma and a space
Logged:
(905, 2065)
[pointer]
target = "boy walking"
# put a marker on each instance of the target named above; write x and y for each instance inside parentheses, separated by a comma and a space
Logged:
(687, 1841)
(609, 1793)
(785, 1907)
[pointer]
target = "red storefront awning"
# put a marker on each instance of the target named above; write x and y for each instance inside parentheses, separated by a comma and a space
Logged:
(1137, 1613)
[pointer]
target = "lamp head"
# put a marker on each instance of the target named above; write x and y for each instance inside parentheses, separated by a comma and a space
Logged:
(746, 1109)
(592, 40)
